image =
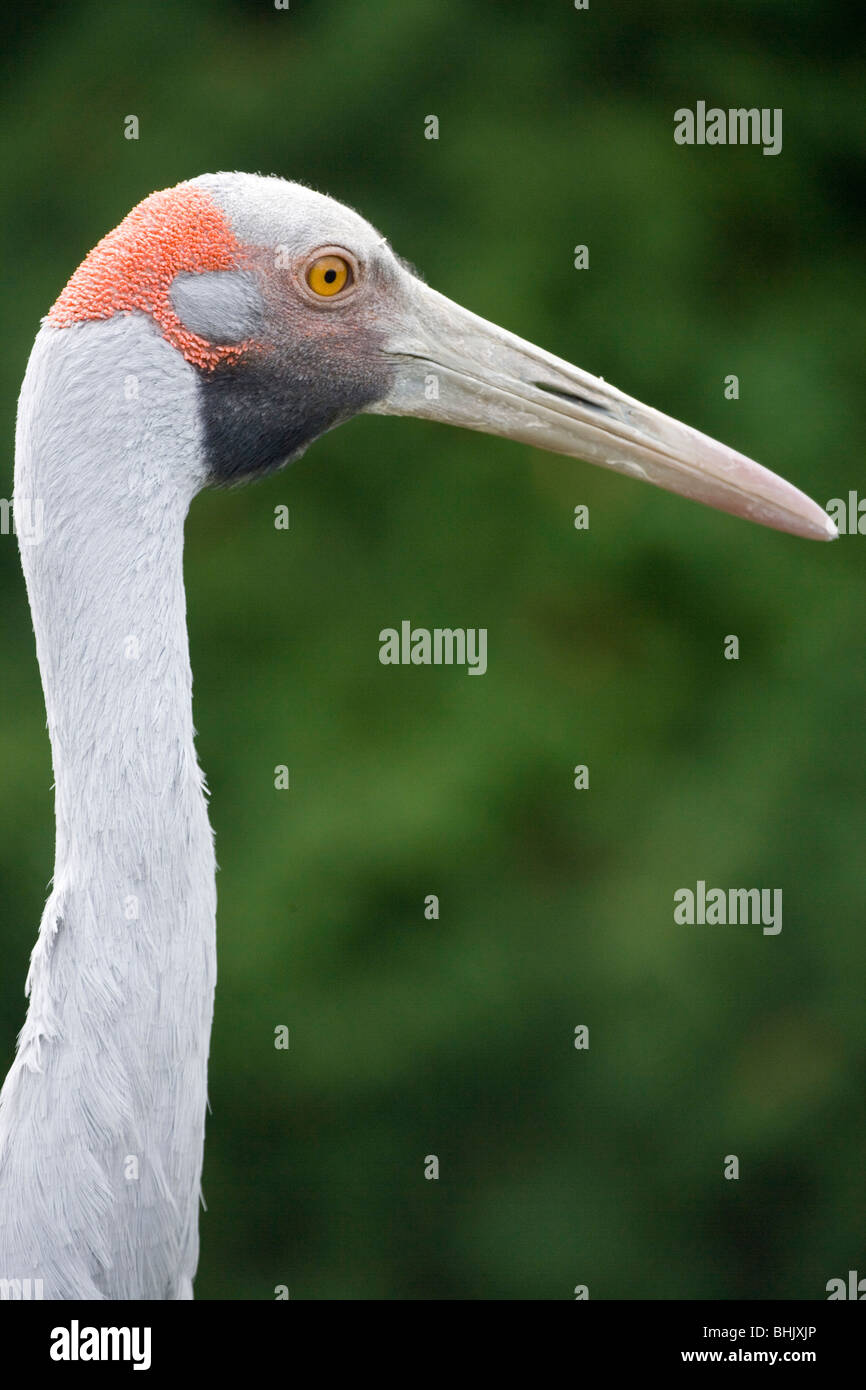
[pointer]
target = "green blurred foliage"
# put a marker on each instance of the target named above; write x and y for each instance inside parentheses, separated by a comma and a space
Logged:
(409, 1037)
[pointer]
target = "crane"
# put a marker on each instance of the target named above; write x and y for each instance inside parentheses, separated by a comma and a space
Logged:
(224, 325)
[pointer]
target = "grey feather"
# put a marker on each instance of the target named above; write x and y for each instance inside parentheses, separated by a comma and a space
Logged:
(102, 1114)
(224, 306)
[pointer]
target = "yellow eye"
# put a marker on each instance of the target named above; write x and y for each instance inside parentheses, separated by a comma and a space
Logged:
(328, 275)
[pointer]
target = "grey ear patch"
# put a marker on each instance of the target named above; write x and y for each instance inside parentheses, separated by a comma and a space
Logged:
(224, 306)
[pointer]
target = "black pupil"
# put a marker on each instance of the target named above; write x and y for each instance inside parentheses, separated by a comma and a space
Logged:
(330, 277)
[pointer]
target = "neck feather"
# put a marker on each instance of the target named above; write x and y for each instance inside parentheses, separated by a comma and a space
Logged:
(109, 1085)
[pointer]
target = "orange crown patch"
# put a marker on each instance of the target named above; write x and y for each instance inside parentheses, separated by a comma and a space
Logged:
(133, 266)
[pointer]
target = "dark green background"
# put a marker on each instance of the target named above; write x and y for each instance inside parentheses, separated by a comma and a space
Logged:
(558, 1167)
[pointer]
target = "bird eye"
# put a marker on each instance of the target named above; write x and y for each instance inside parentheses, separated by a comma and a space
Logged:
(328, 275)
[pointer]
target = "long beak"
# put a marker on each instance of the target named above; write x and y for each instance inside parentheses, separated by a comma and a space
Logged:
(453, 366)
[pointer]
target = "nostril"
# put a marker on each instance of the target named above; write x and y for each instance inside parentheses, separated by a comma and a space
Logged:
(572, 396)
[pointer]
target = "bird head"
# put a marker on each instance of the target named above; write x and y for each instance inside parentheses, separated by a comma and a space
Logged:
(295, 315)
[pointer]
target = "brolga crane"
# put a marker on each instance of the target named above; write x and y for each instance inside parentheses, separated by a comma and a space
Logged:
(223, 326)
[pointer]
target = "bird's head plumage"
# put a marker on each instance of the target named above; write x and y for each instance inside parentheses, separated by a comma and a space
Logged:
(294, 314)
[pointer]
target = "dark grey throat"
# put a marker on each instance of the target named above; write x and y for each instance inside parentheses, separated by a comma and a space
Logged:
(306, 372)
(264, 412)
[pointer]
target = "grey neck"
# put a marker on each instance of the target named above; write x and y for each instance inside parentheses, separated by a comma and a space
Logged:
(109, 1085)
